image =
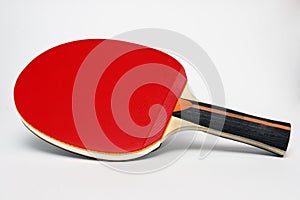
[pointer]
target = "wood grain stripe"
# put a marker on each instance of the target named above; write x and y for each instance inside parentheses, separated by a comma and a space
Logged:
(187, 104)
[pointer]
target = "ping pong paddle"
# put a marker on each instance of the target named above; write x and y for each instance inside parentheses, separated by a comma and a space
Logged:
(116, 100)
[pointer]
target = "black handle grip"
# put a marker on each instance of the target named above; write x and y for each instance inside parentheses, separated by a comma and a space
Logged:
(263, 133)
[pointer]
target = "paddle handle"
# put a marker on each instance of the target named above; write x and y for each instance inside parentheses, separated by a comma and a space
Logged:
(264, 133)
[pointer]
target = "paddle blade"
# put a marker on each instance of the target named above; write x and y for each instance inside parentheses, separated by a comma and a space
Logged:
(100, 98)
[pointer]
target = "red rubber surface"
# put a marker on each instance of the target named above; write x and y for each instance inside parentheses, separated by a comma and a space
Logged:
(50, 97)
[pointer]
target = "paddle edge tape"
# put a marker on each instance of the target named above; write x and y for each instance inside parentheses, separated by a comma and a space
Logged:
(92, 154)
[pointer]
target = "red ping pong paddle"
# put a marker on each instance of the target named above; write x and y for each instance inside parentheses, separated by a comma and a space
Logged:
(115, 100)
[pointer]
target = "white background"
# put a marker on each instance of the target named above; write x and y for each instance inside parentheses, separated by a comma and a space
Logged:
(255, 46)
